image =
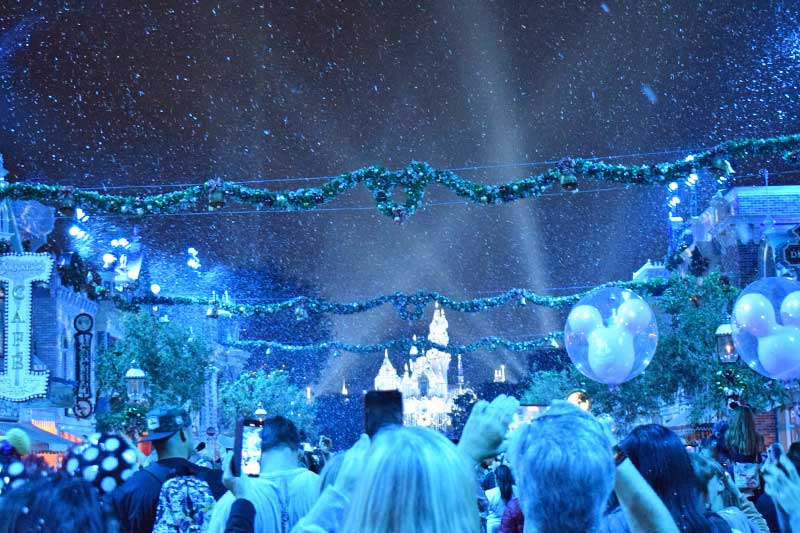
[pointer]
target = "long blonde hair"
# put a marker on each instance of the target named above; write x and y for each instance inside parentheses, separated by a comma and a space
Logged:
(414, 481)
(741, 436)
(705, 469)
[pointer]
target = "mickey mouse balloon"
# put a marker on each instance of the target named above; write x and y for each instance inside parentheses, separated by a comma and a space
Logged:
(766, 327)
(611, 335)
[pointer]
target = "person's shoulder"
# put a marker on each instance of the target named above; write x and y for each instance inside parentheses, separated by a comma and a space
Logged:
(142, 478)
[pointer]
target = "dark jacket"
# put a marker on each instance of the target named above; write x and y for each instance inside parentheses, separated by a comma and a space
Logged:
(242, 518)
(136, 500)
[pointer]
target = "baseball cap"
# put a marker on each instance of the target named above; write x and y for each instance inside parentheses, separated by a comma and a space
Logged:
(164, 422)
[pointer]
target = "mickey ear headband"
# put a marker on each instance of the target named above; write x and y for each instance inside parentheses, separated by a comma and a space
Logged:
(104, 460)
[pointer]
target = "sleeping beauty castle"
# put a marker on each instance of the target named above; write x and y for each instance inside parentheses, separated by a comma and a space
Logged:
(427, 394)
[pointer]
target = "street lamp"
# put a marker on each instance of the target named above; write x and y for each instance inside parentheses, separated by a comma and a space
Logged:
(135, 383)
(726, 349)
(260, 412)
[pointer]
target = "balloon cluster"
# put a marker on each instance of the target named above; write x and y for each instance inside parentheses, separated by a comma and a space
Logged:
(611, 335)
(769, 346)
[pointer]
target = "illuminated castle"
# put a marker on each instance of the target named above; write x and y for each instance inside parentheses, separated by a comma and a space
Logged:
(427, 395)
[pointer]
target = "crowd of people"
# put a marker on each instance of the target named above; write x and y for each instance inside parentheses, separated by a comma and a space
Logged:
(563, 472)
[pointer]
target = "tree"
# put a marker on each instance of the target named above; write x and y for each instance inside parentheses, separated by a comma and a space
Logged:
(273, 390)
(174, 360)
(549, 385)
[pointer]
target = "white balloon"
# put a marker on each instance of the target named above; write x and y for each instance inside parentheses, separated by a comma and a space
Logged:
(779, 352)
(611, 354)
(754, 314)
(790, 309)
(583, 319)
(634, 315)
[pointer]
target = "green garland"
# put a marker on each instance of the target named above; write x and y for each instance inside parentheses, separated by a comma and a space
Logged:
(408, 306)
(413, 181)
(492, 343)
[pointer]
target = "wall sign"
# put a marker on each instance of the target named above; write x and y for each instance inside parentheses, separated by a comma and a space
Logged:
(83, 365)
(18, 382)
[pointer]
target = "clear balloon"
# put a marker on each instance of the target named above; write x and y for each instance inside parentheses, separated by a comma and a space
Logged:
(779, 352)
(611, 335)
(766, 327)
(754, 314)
(611, 353)
(634, 315)
(790, 309)
(583, 319)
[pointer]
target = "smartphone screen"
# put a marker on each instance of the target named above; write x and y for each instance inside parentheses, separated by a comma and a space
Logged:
(524, 415)
(247, 447)
(381, 409)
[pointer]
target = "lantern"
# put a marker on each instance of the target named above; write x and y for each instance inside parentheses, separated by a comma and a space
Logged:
(726, 349)
(135, 383)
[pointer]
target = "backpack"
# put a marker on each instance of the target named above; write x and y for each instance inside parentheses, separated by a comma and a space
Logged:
(745, 476)
(185, 504)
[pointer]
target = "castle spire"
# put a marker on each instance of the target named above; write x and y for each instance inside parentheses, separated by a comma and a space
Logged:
(460, 376)
(437, 331)
(344, 388)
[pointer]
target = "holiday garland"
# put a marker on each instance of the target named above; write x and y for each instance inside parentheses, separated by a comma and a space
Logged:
(408, 306)
(492, 343)
(413, 181)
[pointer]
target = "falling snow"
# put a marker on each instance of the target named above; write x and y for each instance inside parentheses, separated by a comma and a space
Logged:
(275, 95)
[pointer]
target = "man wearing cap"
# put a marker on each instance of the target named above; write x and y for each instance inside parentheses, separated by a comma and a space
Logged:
(136, 500)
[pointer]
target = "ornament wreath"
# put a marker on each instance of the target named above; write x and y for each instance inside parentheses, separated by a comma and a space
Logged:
(412, 181)
(492, 343)
(408, 306)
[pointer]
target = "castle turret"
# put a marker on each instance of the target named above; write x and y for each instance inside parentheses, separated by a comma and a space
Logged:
(387, 376)
(439, 361)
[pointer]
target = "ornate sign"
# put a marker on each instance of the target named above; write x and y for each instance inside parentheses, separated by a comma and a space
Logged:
(17, 381)
(791, 250)
(83, 365)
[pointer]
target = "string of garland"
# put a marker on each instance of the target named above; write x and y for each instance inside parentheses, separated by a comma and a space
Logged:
(492, 343)
(408, 306)
(413, 181)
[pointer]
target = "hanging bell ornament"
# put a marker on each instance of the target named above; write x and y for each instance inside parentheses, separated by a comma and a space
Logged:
(723, 165)
(569, 182)
(216, 194)
(567, 178)
(66, 204)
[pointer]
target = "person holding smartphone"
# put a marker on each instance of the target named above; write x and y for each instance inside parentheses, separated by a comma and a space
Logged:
(283, 487)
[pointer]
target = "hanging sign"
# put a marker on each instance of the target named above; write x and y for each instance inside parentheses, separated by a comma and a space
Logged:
(18, 382)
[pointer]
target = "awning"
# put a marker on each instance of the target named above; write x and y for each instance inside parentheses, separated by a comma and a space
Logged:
(41, 441)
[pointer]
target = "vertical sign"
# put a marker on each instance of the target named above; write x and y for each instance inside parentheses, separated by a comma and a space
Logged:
(18, 382)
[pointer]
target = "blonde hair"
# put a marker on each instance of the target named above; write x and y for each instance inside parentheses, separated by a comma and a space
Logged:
(741, 436)
(705, 469)
(414, 481)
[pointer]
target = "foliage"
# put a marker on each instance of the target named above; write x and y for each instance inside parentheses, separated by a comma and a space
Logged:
(685, 365)
(549, 385)
(76, 273)
(278, 396)
(174, 360)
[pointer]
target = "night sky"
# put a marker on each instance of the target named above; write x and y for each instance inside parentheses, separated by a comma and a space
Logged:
(134, 99)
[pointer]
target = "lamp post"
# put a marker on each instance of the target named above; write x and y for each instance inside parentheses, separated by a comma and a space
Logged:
(726, 349)
(260, 412)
